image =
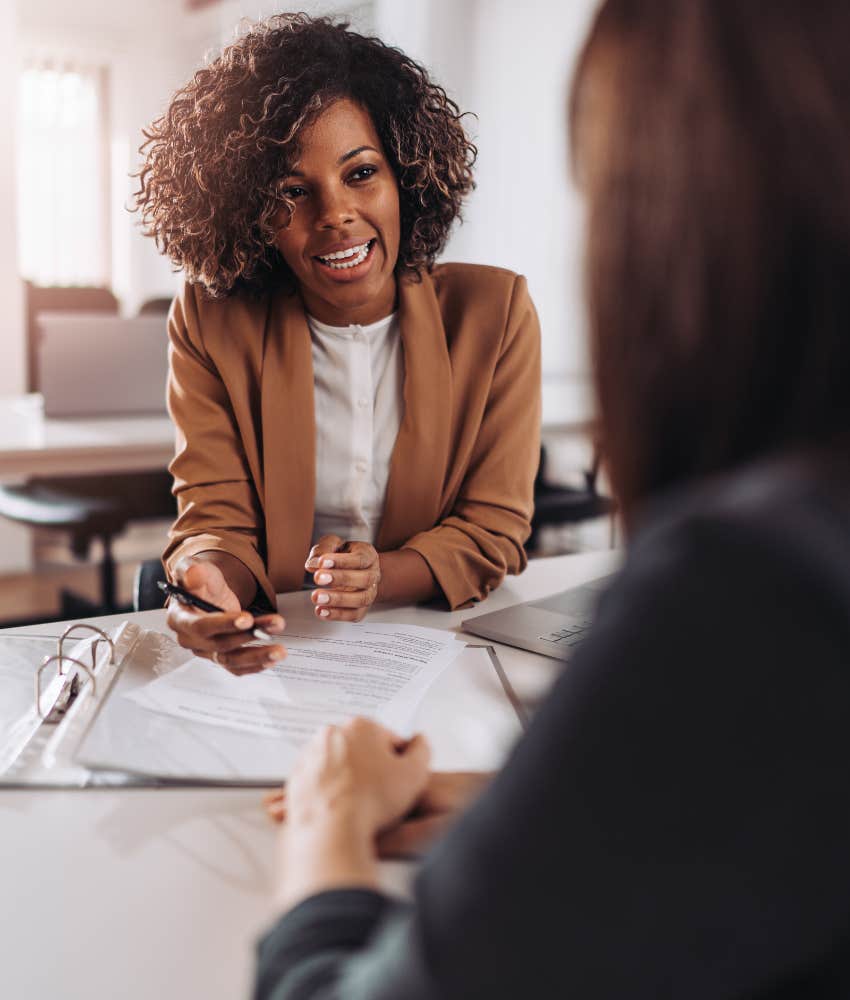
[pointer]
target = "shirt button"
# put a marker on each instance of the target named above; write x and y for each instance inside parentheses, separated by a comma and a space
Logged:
(363, 402)
(361, 465)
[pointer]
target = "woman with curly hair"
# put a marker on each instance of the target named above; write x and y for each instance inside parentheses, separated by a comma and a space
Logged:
(338, 397)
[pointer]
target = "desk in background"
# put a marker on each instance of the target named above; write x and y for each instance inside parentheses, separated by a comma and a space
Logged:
(34, 445)
(163, 893)
(567, 403)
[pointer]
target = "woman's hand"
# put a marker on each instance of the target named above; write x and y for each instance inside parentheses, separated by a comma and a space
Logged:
(220, 636)
(446, 795)
(347, 575)
(350, 783)
(360, 771)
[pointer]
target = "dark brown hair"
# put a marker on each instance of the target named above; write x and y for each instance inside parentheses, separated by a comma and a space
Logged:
(712, 138)
(211, 181)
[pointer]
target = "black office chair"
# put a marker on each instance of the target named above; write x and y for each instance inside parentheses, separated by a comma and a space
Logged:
(89, 508)
(146, 593)
(44, 504)
(147, 596)
(558, 504)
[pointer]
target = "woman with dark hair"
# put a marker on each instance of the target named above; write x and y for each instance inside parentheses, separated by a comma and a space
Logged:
(331, 386)
(675, 822)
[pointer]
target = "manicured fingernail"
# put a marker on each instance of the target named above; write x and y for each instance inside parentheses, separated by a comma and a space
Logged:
(324, 613)
(310, 564)
(322, 599)
(243, 621)
(323, 578)
(272, 657)
(328, 563)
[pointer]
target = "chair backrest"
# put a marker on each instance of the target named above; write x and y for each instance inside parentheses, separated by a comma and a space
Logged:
(154, 306)
(590, 474)
(56, 298)
(146, 594)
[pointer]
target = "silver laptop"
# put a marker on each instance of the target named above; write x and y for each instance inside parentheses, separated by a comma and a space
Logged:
(551, 625)
(91, 364)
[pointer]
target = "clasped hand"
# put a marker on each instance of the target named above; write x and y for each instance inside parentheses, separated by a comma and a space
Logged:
(347, 575)
(378, 784)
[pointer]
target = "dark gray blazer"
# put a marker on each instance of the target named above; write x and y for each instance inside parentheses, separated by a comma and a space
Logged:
(676, 823)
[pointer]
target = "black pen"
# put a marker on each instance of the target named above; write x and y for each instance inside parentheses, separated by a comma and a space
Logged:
(187, 597)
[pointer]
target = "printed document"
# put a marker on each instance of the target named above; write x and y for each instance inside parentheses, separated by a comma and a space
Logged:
(333, 671)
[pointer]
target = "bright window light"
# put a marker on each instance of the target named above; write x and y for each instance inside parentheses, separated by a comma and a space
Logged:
(62, 194)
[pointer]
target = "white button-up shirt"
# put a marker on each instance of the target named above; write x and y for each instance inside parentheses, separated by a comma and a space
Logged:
(358, 380)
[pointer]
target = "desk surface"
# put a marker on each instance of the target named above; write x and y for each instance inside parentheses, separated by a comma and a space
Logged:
(568, 404)
(34, 445)
(162, 893)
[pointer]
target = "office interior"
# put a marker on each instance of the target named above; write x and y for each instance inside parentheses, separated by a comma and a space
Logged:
(80, 81)
(163, 886)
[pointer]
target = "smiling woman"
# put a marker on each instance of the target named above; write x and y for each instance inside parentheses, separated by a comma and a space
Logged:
(349, 280)
(343, 404)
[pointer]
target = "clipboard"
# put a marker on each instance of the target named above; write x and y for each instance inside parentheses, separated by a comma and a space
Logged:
(82, 732)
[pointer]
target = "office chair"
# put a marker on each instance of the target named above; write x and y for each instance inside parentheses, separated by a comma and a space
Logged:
(558, 504)
(42, 504)
(89, 508)
(147, 596)
(153, 307)
(146, 593)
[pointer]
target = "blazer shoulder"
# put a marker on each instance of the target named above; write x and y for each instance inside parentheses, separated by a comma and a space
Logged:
(213, 322)
(475, 279)
(480, 299)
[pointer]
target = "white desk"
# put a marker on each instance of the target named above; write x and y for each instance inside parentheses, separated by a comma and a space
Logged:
(568, 404)
(162, 893)
(34, 445)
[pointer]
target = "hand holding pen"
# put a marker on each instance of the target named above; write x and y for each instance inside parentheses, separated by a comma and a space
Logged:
(207, 618)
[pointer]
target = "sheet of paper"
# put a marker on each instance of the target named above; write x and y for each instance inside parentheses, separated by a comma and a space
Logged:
(333, 671)
(19, 660)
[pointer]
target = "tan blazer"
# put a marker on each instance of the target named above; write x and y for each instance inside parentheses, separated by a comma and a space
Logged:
(462, 470)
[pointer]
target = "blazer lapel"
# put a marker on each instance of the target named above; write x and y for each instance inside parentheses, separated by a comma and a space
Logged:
(421, 453)
(289, 440)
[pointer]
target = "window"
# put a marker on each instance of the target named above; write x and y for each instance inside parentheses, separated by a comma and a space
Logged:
(63, 196)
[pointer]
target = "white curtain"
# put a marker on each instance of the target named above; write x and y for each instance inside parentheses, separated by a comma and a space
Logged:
(62, 176)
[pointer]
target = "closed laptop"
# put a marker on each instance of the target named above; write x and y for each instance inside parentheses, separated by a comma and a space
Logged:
(91, 364)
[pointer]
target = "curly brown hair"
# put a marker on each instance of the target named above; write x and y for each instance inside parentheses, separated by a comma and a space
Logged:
(214, 163)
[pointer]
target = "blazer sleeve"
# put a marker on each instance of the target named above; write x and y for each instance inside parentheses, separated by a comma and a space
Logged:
(481, 540)
(217, 504)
